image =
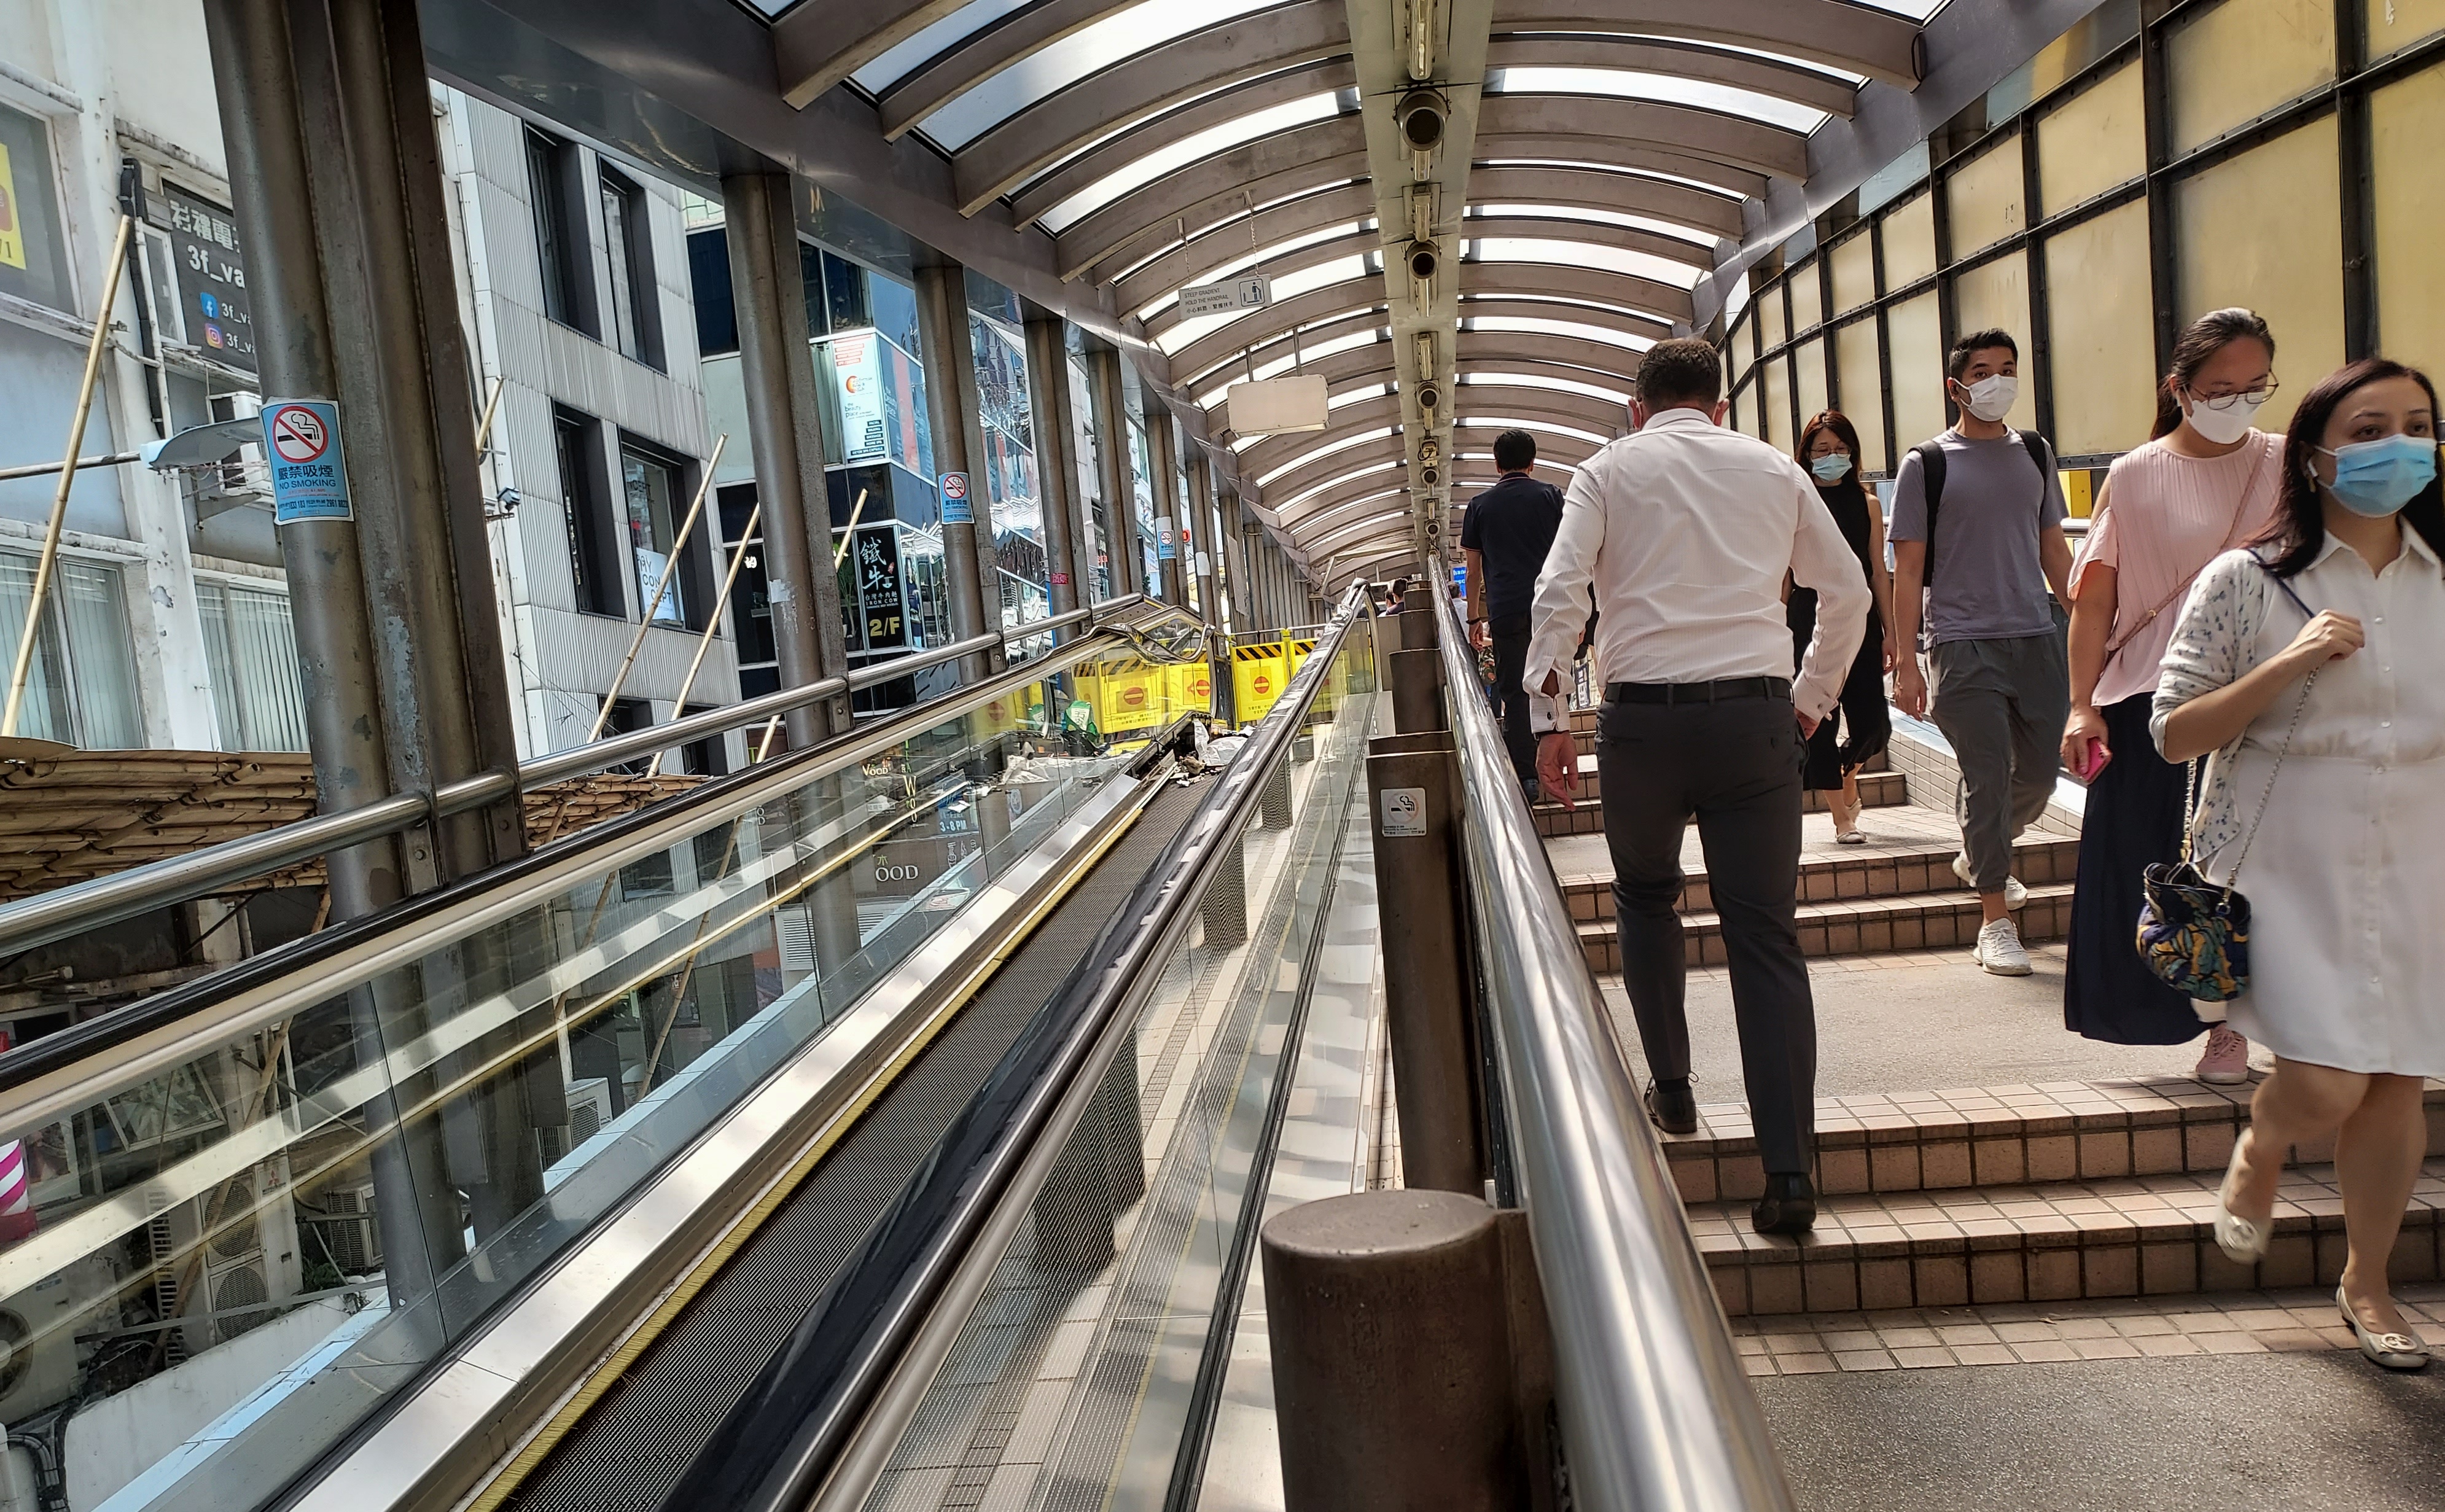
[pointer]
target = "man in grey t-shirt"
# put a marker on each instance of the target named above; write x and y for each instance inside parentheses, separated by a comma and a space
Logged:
(2002, 689)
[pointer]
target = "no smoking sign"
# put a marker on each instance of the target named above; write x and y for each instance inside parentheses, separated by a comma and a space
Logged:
(309, 480)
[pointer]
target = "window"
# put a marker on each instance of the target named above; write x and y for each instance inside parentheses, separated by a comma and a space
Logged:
(33, 260)
(81, 687)
(567, 293)
(627, 249)
(2103, 357)
(2233, 246)
(252, 647)
(593, 553)
(650, 488)
(717, 308)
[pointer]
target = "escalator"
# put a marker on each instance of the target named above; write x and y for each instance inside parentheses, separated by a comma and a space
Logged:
(687, 1162)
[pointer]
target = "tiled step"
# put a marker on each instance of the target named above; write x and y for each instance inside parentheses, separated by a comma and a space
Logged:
(1992, 1136)
(2123, 1237)
(1933, 920)
(1881, 872)
(1877, 790)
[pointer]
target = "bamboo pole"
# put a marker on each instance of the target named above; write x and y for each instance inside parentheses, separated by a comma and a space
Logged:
(17, 674)
(484, 426)
(712, 623)
(661, 591)
(10, 475)
(850, 533)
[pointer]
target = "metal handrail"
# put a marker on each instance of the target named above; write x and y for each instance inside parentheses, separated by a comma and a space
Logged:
(63, 913)
(1656, 1412)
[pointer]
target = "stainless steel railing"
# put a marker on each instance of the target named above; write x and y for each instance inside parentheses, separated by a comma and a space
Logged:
(65, 911)
(1656, 1409)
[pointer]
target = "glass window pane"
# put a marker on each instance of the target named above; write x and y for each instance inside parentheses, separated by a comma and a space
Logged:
(1863, 393)
(1808, 377)
(2102, 347)
(2394, 25)
(1985, 198)
(1908, 232)
(1775, 421)
(1996, 295)
(2266, 229)
(1855, 274)
(2096, 141)
(2237, 61)
(1770, 315)
(652, 529)
(33, 249)
(2406, 120)
(1742, 343)
(1916, 329)
(1807, 298)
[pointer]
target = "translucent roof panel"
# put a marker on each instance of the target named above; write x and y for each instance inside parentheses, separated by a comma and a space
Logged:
(1618, 396)
(1258, 255)
(1507, 423)
(1670, 89)
(1601, 217)
(1335, 482)
(1916, 9)
(1187, 150)
(1583, 255)
(1074, 57)
(1286, 286)
(1276, 367)
(935, 40)
(1536, 325)
(1339, 443)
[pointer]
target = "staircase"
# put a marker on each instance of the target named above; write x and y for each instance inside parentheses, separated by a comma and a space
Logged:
(1965, 1197)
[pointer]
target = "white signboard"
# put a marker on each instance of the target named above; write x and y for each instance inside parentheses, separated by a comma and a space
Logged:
(1266, 405)
(1228, 298)
(857, 374)
(1403, 812)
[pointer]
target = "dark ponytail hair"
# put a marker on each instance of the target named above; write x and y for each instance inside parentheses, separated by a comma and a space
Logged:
(1840, 423)
(2299, 530)
(2201, 340)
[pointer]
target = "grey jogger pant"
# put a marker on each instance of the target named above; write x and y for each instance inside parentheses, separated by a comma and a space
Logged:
(2001, 704)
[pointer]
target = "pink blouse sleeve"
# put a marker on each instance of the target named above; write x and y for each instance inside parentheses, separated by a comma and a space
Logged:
(2102, 547)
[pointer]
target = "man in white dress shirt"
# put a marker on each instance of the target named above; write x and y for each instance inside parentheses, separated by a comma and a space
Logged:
(1687, 531)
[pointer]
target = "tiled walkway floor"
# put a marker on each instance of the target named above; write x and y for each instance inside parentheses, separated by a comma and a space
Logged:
(2040, 1333)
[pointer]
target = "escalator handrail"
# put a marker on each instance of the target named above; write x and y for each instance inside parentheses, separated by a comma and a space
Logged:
(40, 1078)
(1655, 1409)
(773, 1451)
(63, 913)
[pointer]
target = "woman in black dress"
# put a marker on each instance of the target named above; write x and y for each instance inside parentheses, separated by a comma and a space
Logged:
(1829, 448)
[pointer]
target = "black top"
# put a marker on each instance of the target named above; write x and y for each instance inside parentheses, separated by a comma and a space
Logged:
(1512, 526)
(1849, 503)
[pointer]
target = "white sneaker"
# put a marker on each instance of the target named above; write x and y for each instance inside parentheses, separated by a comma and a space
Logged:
(2000, 950)
(2015, 893)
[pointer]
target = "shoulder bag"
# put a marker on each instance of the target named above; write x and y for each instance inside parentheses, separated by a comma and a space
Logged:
(2194, 934)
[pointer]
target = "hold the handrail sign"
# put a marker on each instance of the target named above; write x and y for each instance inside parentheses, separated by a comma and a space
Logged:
(310, 475)
(1254, 291)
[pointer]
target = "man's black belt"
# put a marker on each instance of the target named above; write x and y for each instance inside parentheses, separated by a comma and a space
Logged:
(1715, 692)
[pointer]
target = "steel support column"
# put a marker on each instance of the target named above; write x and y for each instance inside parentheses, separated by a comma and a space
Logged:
(1120, 491)
(1056, 468)
(1163, 459)
(959, 443)
(786, 437)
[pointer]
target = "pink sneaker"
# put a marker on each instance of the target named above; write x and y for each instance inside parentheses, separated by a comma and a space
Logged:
(2226, 1060)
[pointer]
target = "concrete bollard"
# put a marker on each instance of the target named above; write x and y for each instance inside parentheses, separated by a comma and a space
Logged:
(1393, 1370)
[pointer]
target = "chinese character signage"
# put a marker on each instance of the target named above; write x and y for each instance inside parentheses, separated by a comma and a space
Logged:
(213, 302)
(877, 580)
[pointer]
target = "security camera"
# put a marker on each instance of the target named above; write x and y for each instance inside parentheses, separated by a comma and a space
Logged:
(1420, 116)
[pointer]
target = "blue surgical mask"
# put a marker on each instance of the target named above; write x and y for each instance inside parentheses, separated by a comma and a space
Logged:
(1831, 468)
(2377, 479)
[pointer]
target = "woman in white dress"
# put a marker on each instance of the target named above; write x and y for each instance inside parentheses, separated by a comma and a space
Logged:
(2308, 666)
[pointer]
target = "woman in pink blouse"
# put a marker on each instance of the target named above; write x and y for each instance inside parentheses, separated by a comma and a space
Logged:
(2206, 483)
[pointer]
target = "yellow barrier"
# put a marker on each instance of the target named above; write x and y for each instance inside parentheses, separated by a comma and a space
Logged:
(1257, 680)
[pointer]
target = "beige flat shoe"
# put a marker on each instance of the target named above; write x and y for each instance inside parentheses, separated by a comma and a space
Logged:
(2395, 1351)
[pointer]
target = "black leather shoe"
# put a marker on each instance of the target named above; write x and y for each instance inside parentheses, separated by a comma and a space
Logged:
(1789, 1206)
(1672, 1105)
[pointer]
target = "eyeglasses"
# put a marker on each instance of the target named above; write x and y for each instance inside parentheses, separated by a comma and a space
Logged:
(2251, 397)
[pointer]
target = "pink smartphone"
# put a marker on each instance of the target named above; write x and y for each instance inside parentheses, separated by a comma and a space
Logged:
(2094, 762)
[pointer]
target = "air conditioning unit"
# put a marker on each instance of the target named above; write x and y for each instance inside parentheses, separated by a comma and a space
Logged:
(350, 1229)
(251, 1256)
(796, 928)
(38, 1335)
(589, 1108)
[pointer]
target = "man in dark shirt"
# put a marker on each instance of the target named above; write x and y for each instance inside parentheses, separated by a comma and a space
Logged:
(1505, 535)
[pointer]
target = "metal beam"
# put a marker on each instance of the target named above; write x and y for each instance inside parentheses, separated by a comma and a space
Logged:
(1851, 37)
(1213, 194)
(1553, 356)
(1279, 347)
(1163, 278)
(1170, 73)
(1715, 135)
(1056, 467)
(820, 43)
(1345, 298)
(984, 52)
(1582, 187)
(1592, 285)
(1463, 440)
(1742, 70)
(1049, 190)
(1466, 401)
(1520, 307)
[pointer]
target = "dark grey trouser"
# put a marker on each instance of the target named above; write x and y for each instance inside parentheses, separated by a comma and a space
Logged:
(1509, 636)
(1736, 766)
(2001, 704)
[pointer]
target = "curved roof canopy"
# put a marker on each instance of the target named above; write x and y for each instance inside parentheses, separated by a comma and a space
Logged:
(1571, 168)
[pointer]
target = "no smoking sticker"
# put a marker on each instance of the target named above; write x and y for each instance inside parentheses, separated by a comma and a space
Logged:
(309, 479)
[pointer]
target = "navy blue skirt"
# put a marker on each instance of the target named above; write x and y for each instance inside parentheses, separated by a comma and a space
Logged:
(2133, 820)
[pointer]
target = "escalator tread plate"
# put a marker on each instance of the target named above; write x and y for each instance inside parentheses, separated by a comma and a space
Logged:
(634, 1443)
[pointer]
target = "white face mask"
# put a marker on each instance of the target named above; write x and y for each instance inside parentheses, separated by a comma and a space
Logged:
(1991, 398)
(2221, 422)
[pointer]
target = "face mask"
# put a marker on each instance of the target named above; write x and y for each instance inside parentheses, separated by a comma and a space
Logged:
(1831, 468)
(2377, 479)
(2222, 426)
(1991, 398)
